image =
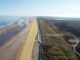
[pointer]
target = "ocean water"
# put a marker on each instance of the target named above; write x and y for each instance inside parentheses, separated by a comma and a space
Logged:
(4, 20)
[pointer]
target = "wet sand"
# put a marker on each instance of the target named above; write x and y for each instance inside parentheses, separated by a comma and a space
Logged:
(9, 50)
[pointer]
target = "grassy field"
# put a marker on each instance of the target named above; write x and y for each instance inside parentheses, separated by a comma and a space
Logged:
(55, 47)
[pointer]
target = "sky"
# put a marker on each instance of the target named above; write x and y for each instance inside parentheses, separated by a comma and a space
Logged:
(63, 8)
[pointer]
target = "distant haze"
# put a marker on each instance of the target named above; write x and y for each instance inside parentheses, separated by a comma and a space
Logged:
(61, 8)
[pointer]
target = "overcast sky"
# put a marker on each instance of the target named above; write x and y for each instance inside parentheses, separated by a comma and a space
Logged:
(65, 8)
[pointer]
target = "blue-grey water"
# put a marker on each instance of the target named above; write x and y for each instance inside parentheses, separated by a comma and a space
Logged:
(4, 20)
(12, 32)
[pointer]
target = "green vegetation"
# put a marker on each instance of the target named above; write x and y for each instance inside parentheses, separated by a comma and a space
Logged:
(55, 47)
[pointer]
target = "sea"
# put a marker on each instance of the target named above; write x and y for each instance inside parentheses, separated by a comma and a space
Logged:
(5, 20)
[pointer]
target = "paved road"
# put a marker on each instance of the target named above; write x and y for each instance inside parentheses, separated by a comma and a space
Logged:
(36, 50)
(41, 55)
(77, 48)
(40, 37)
